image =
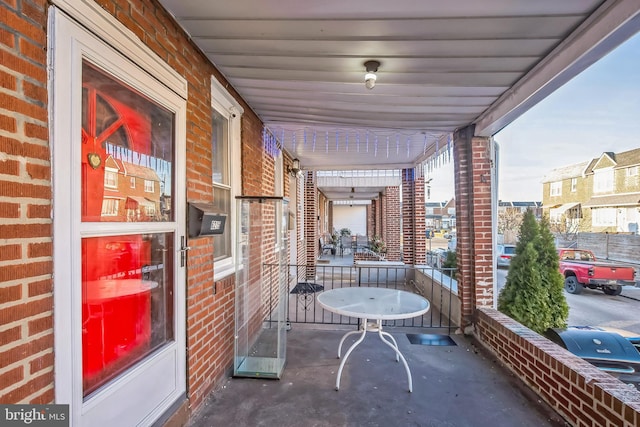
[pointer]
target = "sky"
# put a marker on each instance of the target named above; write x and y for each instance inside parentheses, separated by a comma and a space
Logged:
(596, 111)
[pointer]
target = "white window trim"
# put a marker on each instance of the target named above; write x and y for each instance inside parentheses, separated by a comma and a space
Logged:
(228, 107)
(111, 172)
(604, 176)
(555, 188)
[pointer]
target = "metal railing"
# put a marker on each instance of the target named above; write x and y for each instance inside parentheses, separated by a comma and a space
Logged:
(303, 289)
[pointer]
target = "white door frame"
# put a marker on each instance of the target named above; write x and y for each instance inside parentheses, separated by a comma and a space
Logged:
(143, 393)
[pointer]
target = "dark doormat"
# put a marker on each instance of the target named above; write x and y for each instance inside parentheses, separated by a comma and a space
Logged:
(430, 339)
(306, 288)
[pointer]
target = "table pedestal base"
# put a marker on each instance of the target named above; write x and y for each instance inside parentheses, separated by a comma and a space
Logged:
(384, 336)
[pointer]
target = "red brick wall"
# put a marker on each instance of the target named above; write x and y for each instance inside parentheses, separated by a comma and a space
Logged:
(371, 217)
(474, 228)
(311, 223)
(391, 223)
(419, 222)
(26, 299)
(26, 359)
(581, 393)
(413, 218)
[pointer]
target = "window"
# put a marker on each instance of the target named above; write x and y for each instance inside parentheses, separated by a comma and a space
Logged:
(225, 175)
(574, 185)
(149, 186)
(632, 171)
(109, 207)
(603, 181)
(132, 182)
(221, 182)
(556, 188)
(603, 217)
(110, 179)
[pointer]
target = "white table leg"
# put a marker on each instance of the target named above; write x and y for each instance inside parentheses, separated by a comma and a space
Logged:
(344, 337)
(354, 345)
(387, 334)
(398, 354)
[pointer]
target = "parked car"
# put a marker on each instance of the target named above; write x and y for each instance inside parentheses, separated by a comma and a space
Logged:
(504, 255)
(611, 350)
(451, 244)
(580, 268)
(437, 256)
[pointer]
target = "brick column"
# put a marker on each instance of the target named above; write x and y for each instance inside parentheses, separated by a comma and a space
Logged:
(472, 165)
(391, 223)
(371, 218)
(311, 222)
(414, 240)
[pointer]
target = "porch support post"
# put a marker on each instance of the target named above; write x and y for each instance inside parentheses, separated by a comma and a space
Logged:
(390, 232)
(311, 223)
(473, 171)
(414, 241)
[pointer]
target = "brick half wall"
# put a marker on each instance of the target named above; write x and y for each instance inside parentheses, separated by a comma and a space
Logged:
(578, 391)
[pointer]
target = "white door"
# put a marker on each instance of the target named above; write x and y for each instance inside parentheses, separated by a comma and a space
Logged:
(119, 217)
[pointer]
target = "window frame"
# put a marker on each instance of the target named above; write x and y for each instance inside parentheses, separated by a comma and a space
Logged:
(603, 217)
(225, 105)
(108, 183)
(603, 180)
(555, 188)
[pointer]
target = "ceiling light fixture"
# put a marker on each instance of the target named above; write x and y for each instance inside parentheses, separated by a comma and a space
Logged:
(370, 76)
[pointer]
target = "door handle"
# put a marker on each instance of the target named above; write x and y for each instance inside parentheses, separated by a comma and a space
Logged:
(183, 251)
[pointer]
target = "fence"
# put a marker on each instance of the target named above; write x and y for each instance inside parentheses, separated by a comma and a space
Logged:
(302, 292)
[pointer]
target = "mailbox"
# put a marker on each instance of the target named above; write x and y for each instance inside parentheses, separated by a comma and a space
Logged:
(203, 221)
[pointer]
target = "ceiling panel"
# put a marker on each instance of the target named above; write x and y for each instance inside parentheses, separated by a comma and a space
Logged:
(444, 65)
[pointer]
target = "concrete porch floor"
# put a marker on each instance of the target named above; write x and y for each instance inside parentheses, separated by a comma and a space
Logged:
(452, 386)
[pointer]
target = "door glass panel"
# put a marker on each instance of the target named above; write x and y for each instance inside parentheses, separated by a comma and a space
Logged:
(127, 302)
(127, 152)
(127, 176)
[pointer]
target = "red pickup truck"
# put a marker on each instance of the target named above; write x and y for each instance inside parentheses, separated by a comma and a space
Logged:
(580, 268)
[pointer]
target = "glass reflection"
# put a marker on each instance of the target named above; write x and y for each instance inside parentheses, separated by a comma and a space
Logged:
(127, 152)
(127, 302)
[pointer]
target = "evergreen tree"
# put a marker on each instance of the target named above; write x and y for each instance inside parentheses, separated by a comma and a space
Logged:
(529, 231)
(524, 297)
(551, 277)
(533, 294)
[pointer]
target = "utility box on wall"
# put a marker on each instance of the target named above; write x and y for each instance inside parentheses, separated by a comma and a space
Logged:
(203, 221)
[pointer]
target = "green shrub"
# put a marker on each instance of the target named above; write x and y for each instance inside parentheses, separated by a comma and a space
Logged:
(533, 294)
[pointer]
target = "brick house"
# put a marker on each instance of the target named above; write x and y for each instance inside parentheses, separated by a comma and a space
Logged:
(441, 215)
(131, 322)
(599, 195)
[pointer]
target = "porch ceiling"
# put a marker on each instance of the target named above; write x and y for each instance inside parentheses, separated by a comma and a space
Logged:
(444, 65)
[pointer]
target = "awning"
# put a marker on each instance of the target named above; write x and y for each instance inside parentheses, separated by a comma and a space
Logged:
(134, 202)
(560, 210)
(614, 200)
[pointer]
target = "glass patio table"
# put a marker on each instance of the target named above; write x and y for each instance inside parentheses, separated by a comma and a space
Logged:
(373, 304)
